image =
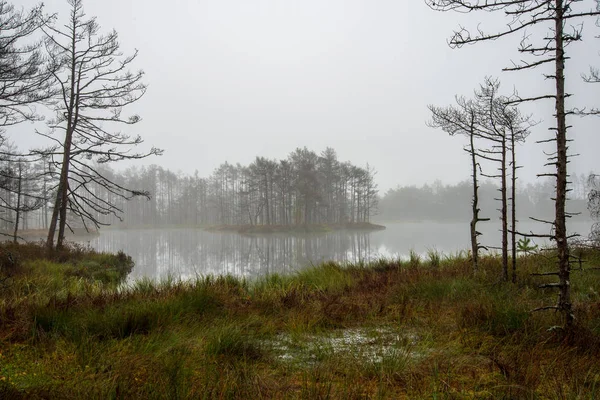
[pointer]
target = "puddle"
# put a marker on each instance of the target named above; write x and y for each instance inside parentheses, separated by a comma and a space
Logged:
(373, 345)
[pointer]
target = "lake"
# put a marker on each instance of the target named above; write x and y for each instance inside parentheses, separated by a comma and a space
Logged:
(187, 253)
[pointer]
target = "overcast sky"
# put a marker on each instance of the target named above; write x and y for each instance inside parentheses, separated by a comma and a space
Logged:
(230, 80)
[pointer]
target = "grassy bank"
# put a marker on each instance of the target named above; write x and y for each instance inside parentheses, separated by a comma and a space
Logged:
(423, 328)
(294, 229)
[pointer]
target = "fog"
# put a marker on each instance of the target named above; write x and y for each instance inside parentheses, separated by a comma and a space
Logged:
(231, 80)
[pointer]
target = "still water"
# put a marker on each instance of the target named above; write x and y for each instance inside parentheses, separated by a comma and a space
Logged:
(187, 253)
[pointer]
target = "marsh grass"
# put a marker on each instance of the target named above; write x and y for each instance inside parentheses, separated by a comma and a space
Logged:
(414, 258)
(418, 328)
(330, 277)
(231, 342)
(434, 258)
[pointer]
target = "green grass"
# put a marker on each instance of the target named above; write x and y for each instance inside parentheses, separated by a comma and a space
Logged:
(434, 257)
(419, 328)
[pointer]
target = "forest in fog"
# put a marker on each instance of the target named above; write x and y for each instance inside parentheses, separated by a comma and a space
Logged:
(443, 202)
(304, 188)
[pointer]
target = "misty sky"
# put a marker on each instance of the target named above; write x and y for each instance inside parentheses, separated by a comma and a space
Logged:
(230, 80)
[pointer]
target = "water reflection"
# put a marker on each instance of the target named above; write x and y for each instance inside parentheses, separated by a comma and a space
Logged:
(187, 253)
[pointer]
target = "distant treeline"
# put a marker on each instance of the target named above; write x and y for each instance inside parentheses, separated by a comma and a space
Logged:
(439, 202)
(304, 188)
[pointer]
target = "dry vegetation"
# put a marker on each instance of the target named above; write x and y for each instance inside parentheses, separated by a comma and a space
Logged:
(420, 328)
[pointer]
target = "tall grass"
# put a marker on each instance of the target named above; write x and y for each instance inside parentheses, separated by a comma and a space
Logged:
(326, 277)
(414, 258)
(435, 258)
(435, 331)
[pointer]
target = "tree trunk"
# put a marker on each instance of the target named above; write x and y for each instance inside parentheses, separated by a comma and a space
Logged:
(504, 213)
(18, 209)
(54, 219)
(60, 205)
(564, 270)
(63, 211)
(475, 204)
(513, 205)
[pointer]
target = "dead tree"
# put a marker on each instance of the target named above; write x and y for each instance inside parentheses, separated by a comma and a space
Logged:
(26, 199)
(503, 125)
(18, 185)
(518, 127)
(593, 76)
(547, 49)
(486, 118)
(491, 111)
(463, 119)
(94, 87)
(23, 79)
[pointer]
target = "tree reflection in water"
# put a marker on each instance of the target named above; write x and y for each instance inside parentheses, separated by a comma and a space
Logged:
(187, 253)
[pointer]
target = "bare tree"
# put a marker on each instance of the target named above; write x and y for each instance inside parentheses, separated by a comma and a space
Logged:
(487, 118)
(27, 199)
(504, 125)
(594, 75)
(491, 109)
(548, 49)
(95, 85)
(464, 119)
(23, 79)
(518, 129)
(19, 191)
